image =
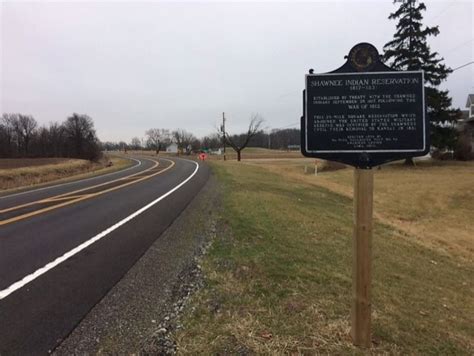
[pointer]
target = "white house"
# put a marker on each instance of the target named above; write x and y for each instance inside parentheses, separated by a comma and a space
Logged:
(466, 124)
(216, 152)
(470, 106)
(172, 148)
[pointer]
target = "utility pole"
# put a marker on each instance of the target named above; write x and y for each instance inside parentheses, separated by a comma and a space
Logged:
(223, 132)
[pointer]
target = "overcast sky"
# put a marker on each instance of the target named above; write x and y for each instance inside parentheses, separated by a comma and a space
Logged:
(132, 66)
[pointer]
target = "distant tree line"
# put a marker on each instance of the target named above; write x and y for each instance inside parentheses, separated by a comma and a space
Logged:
(277, 139)
(159, 139)
(20, 136)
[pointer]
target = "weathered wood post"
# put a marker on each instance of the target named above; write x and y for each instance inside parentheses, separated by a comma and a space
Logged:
(364, 114)
(362, 257)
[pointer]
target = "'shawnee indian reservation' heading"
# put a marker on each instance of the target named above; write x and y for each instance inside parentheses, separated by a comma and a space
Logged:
(373, 81)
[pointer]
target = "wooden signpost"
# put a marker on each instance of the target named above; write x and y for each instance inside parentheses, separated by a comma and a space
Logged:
(364, 114)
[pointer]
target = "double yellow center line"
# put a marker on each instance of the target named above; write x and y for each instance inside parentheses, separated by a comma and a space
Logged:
(73, 197)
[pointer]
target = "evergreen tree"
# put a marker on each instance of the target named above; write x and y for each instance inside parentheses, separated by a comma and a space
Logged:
(409, 50)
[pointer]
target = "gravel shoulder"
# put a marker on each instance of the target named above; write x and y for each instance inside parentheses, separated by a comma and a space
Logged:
(139, 312)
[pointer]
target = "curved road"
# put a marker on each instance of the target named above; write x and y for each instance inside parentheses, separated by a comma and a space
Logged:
(62, 248)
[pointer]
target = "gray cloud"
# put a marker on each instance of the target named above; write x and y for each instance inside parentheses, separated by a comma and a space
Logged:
(132, 66)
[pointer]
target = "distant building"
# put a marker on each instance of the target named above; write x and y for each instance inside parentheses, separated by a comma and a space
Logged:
(470, 106)
(216, 152)
(172, 148)
(466, 124)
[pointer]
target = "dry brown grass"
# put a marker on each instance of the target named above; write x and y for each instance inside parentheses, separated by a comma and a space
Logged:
(432, 202)
(258, 153)
(248, 153)
(29, 172)
(12, 163)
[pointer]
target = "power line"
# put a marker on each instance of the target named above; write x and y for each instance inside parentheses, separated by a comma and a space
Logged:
(285, 127)
(464, 65)
(460, 45)
(223, 132)
(443, 10)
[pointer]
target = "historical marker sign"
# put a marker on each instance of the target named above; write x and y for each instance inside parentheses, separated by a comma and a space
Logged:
(365, 118)
(364, 114)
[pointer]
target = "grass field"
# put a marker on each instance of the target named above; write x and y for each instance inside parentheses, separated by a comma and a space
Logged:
(431, 203)
(248, 153)
(278, 277)
(13, 163)
(258, 153)
(19, 173)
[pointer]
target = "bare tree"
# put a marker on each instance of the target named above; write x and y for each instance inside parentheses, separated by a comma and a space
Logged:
(239, 142)
(156, 138)
(136, 143)
(7, 135)
(213, 141)
(56, 138)
(184, 140)
(18, 131)
(82, 140)
(25, 127)
(75, 137)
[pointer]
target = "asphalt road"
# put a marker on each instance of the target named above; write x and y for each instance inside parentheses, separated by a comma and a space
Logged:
(62, 248)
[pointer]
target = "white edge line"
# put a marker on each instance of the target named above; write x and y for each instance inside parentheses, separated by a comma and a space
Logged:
(31, 277)
(76, 181)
